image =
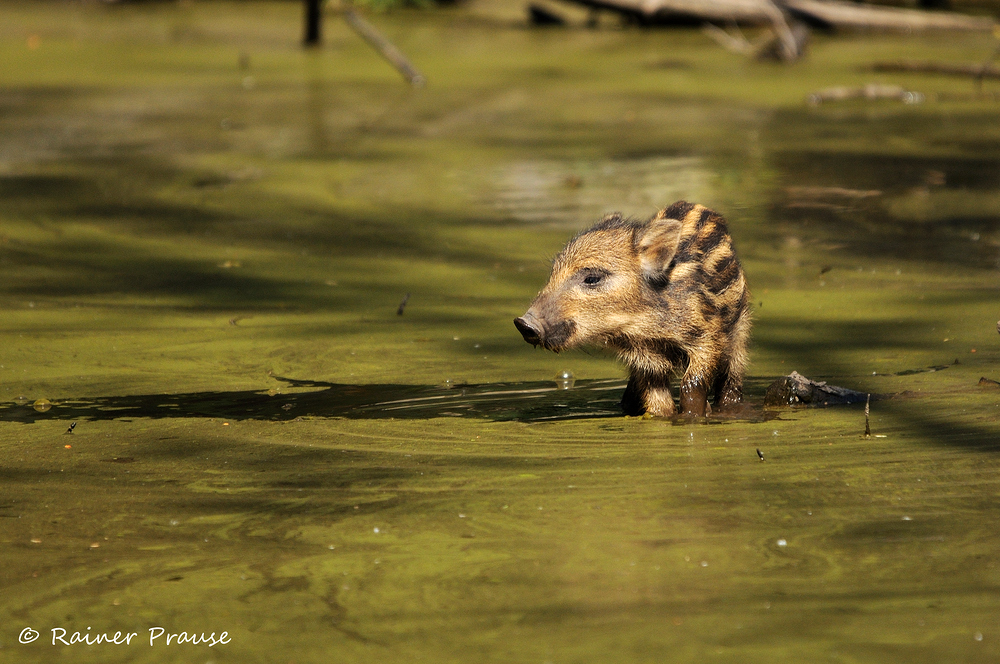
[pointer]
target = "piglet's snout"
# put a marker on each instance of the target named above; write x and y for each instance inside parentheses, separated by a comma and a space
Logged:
(529, 328)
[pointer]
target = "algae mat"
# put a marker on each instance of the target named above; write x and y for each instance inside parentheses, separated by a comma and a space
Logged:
(214, 420)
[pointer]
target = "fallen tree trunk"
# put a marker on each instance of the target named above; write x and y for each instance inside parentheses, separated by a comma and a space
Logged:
(854, 15)
(681, 11)
(821, 13)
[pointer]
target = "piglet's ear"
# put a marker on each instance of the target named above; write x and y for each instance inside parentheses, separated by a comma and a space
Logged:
(658, 244)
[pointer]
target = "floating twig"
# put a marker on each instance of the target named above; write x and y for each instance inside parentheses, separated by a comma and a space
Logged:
(402, 305)
(871, 92)
(868, 428)
(388, 51)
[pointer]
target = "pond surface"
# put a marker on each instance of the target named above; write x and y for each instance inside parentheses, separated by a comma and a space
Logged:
(212, 417)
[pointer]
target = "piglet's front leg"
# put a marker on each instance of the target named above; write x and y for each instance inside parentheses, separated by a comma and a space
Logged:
(648, 395)
(694, 397)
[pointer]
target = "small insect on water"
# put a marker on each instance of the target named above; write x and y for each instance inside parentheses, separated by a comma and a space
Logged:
(760, 454)
(667, 294)
(71, 427)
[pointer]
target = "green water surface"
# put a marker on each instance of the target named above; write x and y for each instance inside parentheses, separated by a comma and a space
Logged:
(206, 234)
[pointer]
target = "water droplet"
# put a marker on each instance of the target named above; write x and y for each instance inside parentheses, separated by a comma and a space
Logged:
(42, 405)
(375, 529)
(21, 400)
(782, 542)
(906, 518)
(978, 636)
(461, 516)
(704, 563)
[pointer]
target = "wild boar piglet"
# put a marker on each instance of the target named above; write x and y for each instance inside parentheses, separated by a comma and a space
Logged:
(667, 294)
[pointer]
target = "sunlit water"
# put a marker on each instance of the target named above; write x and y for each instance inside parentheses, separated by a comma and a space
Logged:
(215, 417)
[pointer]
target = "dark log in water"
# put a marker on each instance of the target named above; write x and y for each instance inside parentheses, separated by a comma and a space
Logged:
(795, 389)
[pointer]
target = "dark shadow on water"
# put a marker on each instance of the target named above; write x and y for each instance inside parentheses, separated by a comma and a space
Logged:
(527, 402)
(499, 402)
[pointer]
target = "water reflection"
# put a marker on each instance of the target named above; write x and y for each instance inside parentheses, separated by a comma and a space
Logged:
(562, 399)
(527, 402)
(564, 192)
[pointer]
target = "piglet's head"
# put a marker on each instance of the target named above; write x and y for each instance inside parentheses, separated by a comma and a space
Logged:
(601, 284)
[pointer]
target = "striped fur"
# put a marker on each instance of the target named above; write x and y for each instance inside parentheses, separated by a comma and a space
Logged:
(668, 295)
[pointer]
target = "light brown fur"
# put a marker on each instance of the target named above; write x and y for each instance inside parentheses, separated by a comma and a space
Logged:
(668, 295)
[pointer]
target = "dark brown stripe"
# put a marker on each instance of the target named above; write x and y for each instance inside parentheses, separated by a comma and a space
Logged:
(716, 235)
(729, 317)
(678, 210)
(706, 215)
(744, 300)
(685, 252)
(708, 308)
(723, 278)
(726, 263)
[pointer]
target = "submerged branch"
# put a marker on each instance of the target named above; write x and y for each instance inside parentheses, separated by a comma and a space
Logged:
(386, 48)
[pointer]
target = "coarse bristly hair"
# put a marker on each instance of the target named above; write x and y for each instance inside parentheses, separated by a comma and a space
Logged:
(668, 294)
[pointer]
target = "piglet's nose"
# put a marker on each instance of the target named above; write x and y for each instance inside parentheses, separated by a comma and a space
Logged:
(531, 333)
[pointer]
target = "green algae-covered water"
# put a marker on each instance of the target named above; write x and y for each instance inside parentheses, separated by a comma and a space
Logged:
(205, 237)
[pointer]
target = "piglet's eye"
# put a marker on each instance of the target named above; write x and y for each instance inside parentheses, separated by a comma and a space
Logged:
(593, 279)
